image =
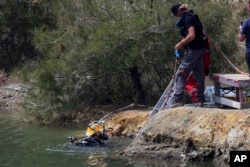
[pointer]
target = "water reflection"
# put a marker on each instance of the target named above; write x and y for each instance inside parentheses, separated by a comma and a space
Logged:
(97, 159)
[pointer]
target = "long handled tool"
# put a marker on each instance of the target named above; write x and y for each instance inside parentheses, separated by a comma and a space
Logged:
(166, 97)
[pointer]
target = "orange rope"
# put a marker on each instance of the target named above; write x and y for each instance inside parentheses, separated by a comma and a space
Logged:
(227, 59)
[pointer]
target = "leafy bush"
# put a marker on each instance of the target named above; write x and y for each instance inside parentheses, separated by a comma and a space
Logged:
(114, 52)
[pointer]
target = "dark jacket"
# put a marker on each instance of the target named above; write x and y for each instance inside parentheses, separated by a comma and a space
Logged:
(187, 20)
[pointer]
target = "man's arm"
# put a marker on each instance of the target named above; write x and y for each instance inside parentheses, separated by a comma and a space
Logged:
(187, 39)
(241, 37)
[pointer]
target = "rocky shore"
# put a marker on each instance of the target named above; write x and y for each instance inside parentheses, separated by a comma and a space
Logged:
(184, 133)
(11, 95)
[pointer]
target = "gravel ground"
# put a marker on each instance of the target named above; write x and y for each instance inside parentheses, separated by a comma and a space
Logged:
(11, 95)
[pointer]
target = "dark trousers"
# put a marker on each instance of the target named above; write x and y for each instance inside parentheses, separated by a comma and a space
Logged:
(247, 58)
(192, 61)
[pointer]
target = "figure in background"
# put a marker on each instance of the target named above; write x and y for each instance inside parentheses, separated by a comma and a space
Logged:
(244, 35)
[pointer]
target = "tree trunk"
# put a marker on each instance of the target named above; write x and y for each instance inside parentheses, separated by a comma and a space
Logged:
(138, 91)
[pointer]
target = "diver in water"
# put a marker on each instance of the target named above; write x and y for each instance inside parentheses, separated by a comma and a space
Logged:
(94, 136)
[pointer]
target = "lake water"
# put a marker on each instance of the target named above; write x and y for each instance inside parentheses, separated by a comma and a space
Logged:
(23, 145)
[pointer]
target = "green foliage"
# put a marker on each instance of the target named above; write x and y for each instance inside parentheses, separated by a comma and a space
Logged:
(17, 26)
(118, 52)
(215, 22)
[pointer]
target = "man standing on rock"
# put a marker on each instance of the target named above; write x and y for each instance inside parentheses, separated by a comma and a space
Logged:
(193, 42)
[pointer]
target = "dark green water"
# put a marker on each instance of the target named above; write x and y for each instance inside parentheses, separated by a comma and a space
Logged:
(23, 145)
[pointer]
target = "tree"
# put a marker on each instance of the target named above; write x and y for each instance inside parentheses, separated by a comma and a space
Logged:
(17, 26)
(112, 52)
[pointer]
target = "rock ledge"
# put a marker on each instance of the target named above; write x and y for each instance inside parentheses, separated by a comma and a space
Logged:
(185, 133)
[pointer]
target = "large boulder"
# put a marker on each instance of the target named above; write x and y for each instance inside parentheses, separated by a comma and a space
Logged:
(187, 133)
